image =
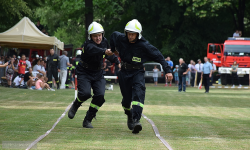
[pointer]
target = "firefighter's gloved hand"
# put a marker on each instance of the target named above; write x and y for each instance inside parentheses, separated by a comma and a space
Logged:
(108, 52)
(169, 76)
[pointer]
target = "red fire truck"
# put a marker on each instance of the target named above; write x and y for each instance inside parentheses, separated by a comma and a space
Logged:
(223, 56)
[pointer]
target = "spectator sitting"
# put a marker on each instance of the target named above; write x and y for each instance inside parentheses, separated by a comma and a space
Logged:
(1, 68)
(155, 75)
(14, 56)
(42, 70)
(30, 79)
(17, 81)
(28, 63)
(37, 66)
(176, 78)
(34, 62)
(236, 34)
(40, 83)
(41, 58)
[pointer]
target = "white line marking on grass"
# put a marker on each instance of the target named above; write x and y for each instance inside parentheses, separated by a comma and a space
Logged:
(157, 134)
(44, 135)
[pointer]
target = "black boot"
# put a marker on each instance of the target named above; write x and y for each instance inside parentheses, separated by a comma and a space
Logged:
(87, 120)
(130, 121)
(137, 126)
(58, 87)
(74, 108)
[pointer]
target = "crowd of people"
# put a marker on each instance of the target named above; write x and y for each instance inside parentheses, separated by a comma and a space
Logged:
(18, 72)
(194, 74)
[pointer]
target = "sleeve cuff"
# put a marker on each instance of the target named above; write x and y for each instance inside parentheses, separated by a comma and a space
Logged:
(104, 51)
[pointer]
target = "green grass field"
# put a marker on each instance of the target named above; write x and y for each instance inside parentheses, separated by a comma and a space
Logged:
(187, 121)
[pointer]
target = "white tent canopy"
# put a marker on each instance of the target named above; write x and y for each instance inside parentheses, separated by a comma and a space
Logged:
(25, 34)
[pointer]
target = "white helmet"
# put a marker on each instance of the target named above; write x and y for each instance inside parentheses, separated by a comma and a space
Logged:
(95, 27)
(78, 52)
(134, 26)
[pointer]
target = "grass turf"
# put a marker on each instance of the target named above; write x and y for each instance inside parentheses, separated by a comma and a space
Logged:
(191, 120)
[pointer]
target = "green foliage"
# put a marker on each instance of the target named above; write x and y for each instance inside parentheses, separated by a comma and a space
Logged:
(178, 28)
(204, 8)
(14, 10)
(64, 19)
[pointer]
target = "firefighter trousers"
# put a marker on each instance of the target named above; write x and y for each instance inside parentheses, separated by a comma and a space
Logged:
(52, 71)
(132, 86)
(68, 79)
(91, 79)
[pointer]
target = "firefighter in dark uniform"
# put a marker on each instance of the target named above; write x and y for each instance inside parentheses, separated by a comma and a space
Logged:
(76, 62)
(90, 74)
(52, 66)
(68, 79)
(134, 50)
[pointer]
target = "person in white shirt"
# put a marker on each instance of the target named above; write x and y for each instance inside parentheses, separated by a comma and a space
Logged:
(17, 81)
(198, 67)
(236, 34)
(42, 71)
(37, 66)
(28, 63)
(189, 73)
(214, 70)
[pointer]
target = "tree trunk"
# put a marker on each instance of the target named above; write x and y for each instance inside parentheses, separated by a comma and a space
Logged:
(88, 15)
(241, 15)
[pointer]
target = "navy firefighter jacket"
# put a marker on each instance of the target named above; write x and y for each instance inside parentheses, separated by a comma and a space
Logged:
(93, 53)
(138, 52)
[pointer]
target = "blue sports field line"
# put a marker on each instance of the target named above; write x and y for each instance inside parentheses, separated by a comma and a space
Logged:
(157, 134)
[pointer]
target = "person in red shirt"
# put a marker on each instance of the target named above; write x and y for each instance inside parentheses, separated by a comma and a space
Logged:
(22, 68)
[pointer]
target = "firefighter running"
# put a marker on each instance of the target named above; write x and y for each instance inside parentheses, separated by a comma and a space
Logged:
(52, 67)
(90, 74)
(76, 62)
(134, 50)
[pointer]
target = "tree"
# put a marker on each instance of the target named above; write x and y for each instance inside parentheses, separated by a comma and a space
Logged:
(14, 10)
(88, 15)
(206, 8)
(166, 25)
